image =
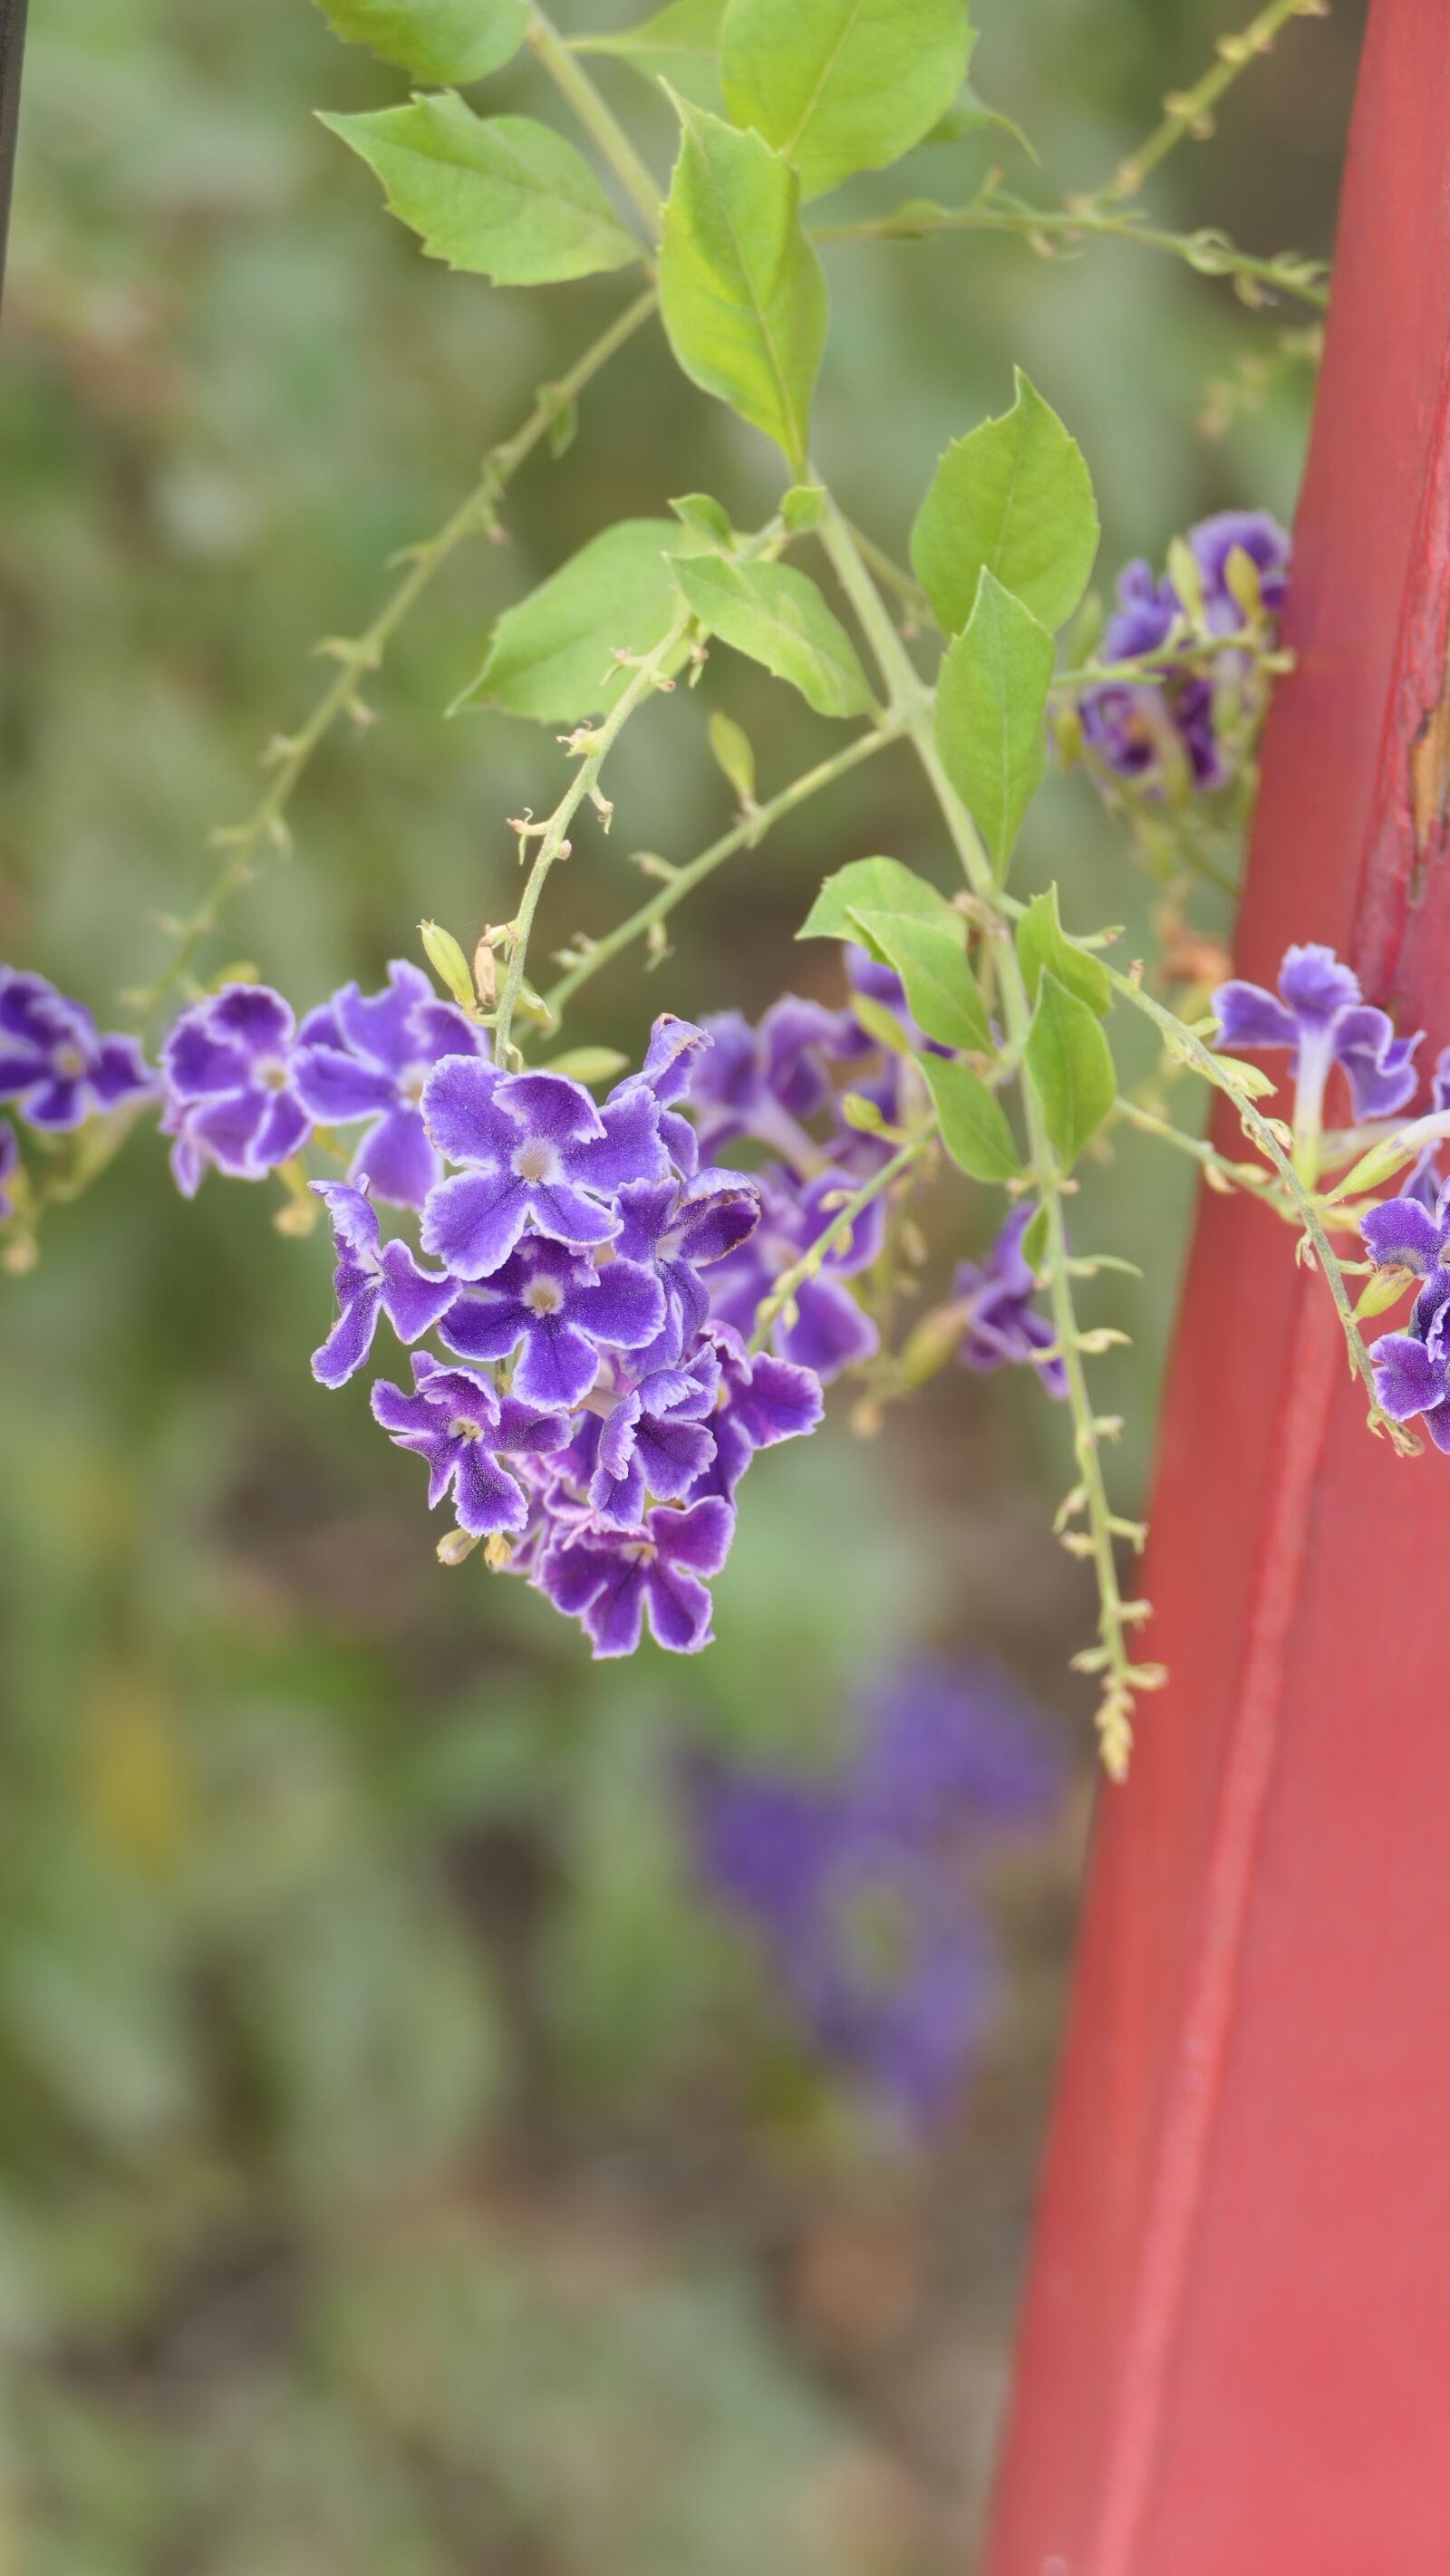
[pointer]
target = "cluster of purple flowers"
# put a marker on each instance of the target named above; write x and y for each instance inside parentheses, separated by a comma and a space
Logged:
(56, 1068)
(862, 1885)
(593, 1416)
(1412, 1370)
(1161, 730)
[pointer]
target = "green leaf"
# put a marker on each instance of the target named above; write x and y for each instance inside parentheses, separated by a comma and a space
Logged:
(842, 85)
(730, 746)
(1043, 945)
(1070, 1065)
(931, 959)
(741, 290)
(801, 507)
(1034, 1241)
(679, 46)
(871, 885)
(1014, 496)
(881, 1023)
(778, 617)
(445, 41)
(500, 196)
(973, 1123)
(551, 655)
(697, 510)
(991, 705)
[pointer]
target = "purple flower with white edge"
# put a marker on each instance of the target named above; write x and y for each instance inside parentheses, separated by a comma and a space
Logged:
(372, 1278)
(551, 1305)
(995, 1299)
(369, 1056)
(538, 1152)
(1248, 532)
(457, 1422)
(1425, 1181)
(680, 1232)
(1412, 1370)
(231, 1090)
(613, 1581)
(667, 1073)
(9, 1168)
(53, 1063)
(761, 1400)
(655, 1440)
(1321, 1016)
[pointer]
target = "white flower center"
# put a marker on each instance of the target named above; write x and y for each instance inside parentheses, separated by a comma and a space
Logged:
(411, 1082)
(69, 1062)
(543, 1296)
(461, 1429)
(272, 1073)
(536, 1161)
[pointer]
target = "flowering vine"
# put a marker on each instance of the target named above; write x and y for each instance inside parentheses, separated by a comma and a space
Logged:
(614, 1287)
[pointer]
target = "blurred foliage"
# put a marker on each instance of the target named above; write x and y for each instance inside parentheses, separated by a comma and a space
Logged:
(397, 2171)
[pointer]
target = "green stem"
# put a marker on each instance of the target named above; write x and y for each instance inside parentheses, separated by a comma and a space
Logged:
(811, 1261)
(1208, 253)
(648, 675)
(597, 118)
(743, 835)
(1122, 1677)
(1188, 109)
(363, 654)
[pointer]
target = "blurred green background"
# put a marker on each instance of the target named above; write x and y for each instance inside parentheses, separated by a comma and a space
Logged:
(400, 2172)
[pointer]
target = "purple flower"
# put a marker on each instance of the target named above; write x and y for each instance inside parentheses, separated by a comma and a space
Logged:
(231, 1093)
(369, 1056)
(613, 1581)
(9, 1167)
(761, 1400)
(828, 1332)
(859, 1883)
(456, 1421)
(372, 1278)
(1320, 1014)
(678, 1232)
(53, 1064)
(1425, 1181)
(995, 1300)
(555, 1309)
(1403, 1234)
(538, 1152)
(655, 1440)
(764, 1082)
(1412, 1370)
(666, 1074)
(1248, 532)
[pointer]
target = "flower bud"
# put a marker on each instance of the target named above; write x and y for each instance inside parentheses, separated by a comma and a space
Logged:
(448, 962)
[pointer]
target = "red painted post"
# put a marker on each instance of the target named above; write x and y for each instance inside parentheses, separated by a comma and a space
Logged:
(1235, 2349)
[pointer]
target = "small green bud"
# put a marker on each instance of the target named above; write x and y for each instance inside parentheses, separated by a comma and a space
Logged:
(861, 1113)
(448, 962)
(1184, 574)
(1241, 580)
(455, 1546)
(588, 1064)
(730, 745)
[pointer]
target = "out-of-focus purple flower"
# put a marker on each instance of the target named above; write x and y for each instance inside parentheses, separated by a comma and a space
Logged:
(1248, 532)
(54, 1065)
(1160, 730)
(537, 1152)
(613, 1581)
(457, 1422)
(767, 1080)
(1320, 1015)
(372, 1278)
(231, 1088)
(860, 1883)
(554, 1308)
(369, 1056)
(828, 1332)
(996, 1302)
(9, 1167)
